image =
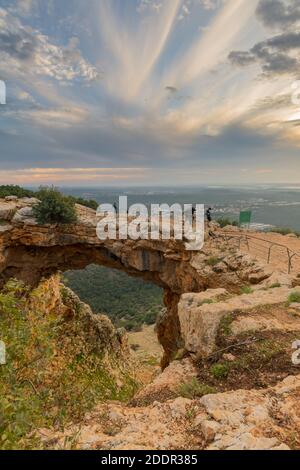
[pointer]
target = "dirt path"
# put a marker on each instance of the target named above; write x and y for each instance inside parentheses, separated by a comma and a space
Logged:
(265, 245)
(148, 353)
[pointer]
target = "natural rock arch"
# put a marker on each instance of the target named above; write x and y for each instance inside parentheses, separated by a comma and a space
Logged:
(31, 252)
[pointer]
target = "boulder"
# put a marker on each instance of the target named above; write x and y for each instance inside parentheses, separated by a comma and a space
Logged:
(24, 216)
(29, 201)
(200, 321)
(245, 420)
(5, 228)
(209, 429)
(7, 210)
(295, 306)
(166, 385)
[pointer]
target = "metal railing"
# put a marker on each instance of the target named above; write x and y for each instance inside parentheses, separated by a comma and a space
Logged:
(249, 240)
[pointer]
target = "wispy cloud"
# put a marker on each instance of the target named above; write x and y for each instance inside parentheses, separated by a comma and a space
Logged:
(37, 176)
(210, 49)
(134, 53)
(125, 85)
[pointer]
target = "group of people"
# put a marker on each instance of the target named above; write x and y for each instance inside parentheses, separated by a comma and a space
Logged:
(207, 213)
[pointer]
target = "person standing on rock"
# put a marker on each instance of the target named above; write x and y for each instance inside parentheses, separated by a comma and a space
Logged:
(208, 215)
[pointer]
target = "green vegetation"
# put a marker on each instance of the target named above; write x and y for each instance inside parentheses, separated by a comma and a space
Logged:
(220, 371)
(194, 389)
(269, 349)
(294, 298)
(285, 231)
(11, 190)
(54, 373)
(84, 202)
(207, 302)
(259, 353)
(247, 290)
(128, 302)
(54, 208)
(225, 325)
(275, 285)
(213, 261)
(224, 222)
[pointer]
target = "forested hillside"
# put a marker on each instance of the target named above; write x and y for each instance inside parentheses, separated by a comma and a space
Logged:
(127, 301)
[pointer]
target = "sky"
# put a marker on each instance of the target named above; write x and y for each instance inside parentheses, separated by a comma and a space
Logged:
(150, 92)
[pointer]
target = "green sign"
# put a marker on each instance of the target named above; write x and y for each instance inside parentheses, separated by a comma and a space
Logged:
(245, 218)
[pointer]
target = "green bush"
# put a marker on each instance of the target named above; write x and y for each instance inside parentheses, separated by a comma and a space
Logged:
(285, 231)
(40, 194)
(225, 325)
(224, 222)
(54, 208)
(294, 298)
(220, 371)
(194, 389)
(12, 190)
(246, 290)
(84, 202)
(213, 261)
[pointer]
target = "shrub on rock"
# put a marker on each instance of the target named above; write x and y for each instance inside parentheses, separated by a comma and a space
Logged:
(54, 208)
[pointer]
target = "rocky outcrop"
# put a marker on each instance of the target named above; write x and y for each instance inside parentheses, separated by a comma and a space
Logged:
(167, 384)
(200, 316)
(253, 420)
(239, 420)
(30, 252)
(51, 297)
(222, 336)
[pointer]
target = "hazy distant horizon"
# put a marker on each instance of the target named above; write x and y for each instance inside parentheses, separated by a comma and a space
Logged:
(166, 186)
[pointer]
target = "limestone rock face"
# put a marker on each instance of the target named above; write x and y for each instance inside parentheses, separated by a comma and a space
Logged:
(24, 216)
(239, 420)
(166, 385)
(52, 297)
(30, 252)
(200, 319)
(250, 420)
(7, 209)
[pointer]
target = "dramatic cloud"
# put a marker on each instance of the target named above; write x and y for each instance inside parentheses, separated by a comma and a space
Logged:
(279, 13)
(28, 51)
(169, 105)
(272, 55)
(278, 54)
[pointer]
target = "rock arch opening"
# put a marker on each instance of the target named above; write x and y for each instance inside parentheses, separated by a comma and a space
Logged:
(129, 302)
(30, 252)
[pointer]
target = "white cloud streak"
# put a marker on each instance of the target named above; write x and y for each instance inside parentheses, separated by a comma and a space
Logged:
(134, 53)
